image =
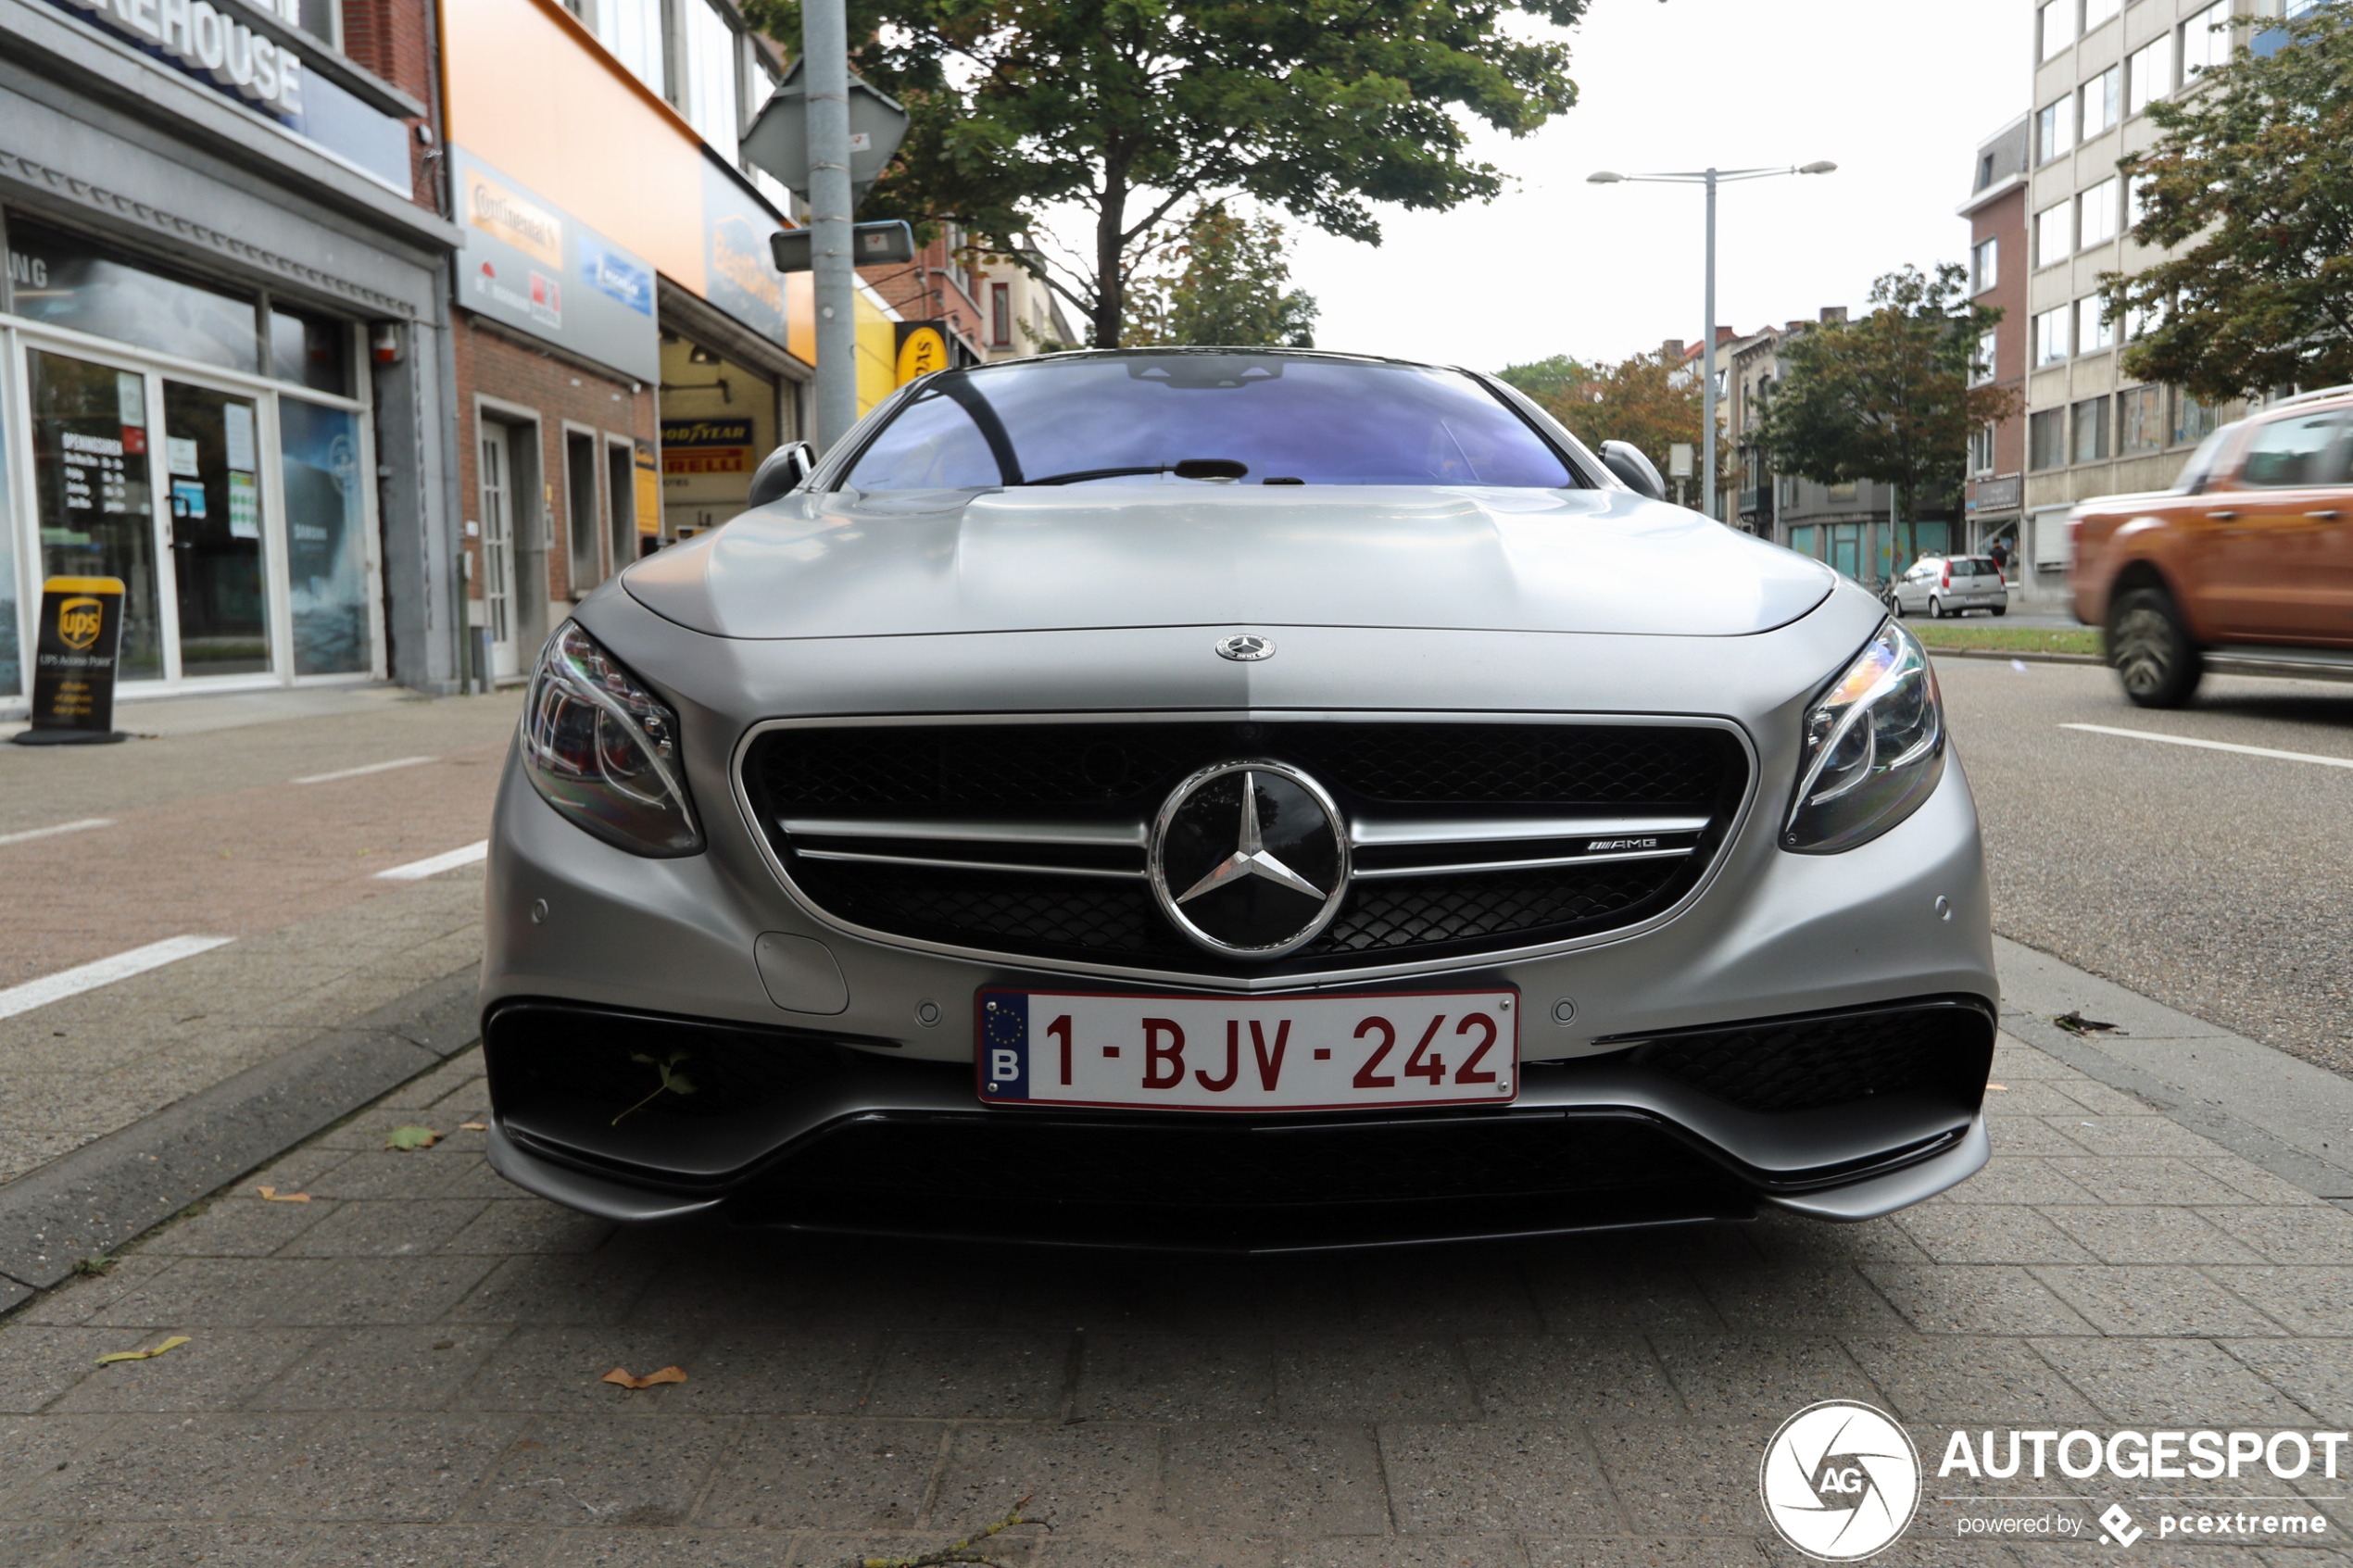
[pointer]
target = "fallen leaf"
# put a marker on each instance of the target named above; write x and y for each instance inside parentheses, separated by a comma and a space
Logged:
(171, 1343)
(413, 1137)
(473, 1126)
(2003, 1087)
(2074, 1022)
(620, 1375)
(274, 1196)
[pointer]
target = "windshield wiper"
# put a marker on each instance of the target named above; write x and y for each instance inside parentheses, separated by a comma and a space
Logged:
(1191, 467)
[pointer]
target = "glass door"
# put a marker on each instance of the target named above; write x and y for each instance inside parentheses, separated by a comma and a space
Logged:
(212, 463)
(93, 489)
(498, 548)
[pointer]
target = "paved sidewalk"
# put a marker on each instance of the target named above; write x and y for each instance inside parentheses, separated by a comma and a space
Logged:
(405, 1369)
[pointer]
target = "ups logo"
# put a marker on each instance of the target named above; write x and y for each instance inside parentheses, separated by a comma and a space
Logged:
(78, 621)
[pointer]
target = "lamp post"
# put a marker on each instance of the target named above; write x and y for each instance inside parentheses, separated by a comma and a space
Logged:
(1710, 178)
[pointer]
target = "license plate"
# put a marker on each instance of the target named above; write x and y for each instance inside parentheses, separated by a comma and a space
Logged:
(1220, 1053)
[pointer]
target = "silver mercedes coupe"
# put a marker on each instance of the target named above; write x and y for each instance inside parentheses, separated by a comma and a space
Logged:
(1240, 800)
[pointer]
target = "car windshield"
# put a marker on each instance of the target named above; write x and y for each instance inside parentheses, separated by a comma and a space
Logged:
(1192, 417)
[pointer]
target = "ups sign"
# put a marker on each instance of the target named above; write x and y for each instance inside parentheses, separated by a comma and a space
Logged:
(73, 662)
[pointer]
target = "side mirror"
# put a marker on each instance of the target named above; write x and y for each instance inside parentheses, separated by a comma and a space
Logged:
(1626, 460)
(781, 471)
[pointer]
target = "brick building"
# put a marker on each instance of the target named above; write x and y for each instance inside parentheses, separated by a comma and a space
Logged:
(1997, 265)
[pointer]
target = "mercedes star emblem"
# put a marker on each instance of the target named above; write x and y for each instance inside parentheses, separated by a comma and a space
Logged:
(1246, 647)
(1250, 859)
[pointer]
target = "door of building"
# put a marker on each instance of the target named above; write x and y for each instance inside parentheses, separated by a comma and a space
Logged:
(94, 488)
(212, 479)
(498, 548)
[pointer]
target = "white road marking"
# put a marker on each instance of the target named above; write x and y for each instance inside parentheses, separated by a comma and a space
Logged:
(416, 870)
(371, 768)
(84, 825)
(2216, 745)
(105, 972)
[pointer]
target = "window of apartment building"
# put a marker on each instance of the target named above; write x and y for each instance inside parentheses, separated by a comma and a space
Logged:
(2051, 336)
(960, 261)
(2140, 320)
(2206, 39)
(707, 53)
(1981, 449)
(2090, 421)
(2136, 200)
(1984, 172)
(2056, 21)
(2054, 234)
(2149, 73)
(1985, 264)
(2193, 420)
(2098, 11)
(2140, 420)
(2092, 329)
(2054, 129)
(632, 31)
(2095, 210)
(2046, 439)
(320, 19)
(2103, 101)
(1980, 369)
(1000, 315)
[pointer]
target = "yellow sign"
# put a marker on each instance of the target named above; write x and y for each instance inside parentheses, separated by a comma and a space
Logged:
(924, 352)
(78, 621)
(496, 210)
(648, 491)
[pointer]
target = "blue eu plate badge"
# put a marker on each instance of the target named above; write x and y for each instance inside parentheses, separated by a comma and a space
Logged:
(1004, 1045)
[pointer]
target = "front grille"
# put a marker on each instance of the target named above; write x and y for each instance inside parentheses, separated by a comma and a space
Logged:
(1028, 840)
(1937, 1046)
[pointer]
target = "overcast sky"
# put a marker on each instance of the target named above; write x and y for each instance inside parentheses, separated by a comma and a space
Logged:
(1897, 93)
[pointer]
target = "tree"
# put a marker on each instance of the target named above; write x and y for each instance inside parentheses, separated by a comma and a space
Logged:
(1227, 289)
(1131, 110)
(1546, 380)
(1655, 401)
(2252, 179)
(1888, 397)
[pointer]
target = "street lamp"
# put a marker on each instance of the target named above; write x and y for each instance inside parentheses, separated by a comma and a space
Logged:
(1710, 178)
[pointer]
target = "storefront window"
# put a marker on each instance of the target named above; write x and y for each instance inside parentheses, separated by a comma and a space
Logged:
(11, 673)
(66, 281)
(326, 538)
(91, 486)
(212, 455)
(312, 350)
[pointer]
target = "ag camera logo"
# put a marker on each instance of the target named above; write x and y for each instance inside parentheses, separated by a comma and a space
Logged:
(1839, 1481)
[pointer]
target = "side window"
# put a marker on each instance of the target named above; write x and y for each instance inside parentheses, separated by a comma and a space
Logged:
(932, 445)
(2292, 450)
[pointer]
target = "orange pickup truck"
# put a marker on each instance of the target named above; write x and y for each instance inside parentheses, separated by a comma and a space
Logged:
(2244, 567)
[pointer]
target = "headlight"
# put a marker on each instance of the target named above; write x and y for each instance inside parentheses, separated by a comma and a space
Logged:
(1874, 747)
(604, 751)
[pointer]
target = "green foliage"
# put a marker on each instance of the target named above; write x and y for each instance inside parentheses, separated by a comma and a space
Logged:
(1888, 397)
(1547, 380)
(1226, 289)
(1130, 110)
(1651, 400)
(671, 1081)
(2252, 179)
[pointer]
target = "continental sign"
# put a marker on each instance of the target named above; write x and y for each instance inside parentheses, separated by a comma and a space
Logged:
(493, 209)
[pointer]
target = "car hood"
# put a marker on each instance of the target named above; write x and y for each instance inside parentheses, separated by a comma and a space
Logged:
(842, 565)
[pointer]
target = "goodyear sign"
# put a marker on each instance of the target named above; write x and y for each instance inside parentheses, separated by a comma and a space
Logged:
(73, 662)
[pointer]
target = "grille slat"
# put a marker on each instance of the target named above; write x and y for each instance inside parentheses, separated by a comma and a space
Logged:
(1097, 780)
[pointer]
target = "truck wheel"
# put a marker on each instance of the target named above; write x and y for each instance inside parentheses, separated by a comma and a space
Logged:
(2151, 650)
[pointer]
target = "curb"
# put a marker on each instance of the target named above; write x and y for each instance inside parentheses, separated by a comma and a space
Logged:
(86, 1203)
(2022, 655)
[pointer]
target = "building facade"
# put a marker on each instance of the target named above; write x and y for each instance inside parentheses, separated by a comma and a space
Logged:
(2091, 430)
(224, 339)
(1850, 526)
(1994, 490)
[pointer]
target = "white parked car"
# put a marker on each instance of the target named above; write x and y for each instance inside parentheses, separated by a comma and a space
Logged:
(1942, 586)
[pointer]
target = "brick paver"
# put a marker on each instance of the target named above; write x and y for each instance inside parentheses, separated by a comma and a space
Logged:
(405, 1371)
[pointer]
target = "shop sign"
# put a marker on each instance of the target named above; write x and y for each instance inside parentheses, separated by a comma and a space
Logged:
(208, 42)
(73, 662)
(740, 274)
(520, 252)
(693, 448)
(648, 479)
(922, 348)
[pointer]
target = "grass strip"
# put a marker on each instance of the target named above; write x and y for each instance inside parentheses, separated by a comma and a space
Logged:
(2005, 639)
